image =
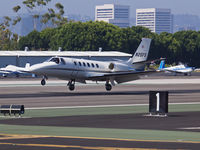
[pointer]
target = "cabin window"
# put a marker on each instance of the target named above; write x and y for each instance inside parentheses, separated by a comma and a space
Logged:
(92, 65)
(97, 65)
(88, 64)
(79, 63)
(75, 63)
(84, 64)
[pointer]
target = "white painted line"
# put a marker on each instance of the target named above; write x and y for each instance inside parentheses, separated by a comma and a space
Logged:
(191, 128)
(99, 106)
(13, 117)
(189, 103)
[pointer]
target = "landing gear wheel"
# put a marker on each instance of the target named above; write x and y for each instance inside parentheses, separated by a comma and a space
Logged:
(71, 87)
(108, 87)
(43, 82)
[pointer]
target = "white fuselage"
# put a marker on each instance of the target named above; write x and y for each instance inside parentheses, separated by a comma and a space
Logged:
(80, 70)
(71, 68)
(179, 69)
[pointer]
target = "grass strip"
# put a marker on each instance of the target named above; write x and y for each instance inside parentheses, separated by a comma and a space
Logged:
(106, 110)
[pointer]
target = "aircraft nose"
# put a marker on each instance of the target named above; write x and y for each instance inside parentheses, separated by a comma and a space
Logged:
(35, 68)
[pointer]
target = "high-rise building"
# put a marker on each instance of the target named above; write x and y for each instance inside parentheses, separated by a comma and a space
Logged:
(112, 13)
(156, 19)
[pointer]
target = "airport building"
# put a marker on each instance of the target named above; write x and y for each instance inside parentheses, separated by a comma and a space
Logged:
(112, 13)
(20, 58)
(158, 20)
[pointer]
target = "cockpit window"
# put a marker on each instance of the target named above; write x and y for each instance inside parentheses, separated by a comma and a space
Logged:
(62, 61)
(56, 60)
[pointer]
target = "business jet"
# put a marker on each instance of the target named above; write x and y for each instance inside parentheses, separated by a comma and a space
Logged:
(183, 69)
(81, 70)
(14, 70)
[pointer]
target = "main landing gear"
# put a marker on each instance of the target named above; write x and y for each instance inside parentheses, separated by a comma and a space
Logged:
(71, 85)
(108, 86)
(43, 81)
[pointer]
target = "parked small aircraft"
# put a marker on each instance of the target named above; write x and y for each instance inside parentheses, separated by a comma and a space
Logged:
(14, 70)
(176, 69)
(80, 70)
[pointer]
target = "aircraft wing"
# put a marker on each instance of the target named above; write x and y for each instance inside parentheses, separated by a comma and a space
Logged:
(179, 71)
(149, 61)
(170, 70)
(4, 72)
(11, 72)
(120, 77)
(176, 69)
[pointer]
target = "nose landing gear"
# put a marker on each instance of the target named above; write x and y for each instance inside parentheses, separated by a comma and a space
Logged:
(43, 81)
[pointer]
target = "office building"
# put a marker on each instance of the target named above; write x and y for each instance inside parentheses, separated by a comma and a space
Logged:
(156, 19)
(112, 13)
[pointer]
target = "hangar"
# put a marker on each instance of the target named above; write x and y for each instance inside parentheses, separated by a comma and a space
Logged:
(20, 58)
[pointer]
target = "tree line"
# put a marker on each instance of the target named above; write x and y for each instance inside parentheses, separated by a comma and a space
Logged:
(183, 46)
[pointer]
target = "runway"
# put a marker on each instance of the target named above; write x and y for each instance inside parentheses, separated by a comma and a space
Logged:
(93, 95)
(61, 119)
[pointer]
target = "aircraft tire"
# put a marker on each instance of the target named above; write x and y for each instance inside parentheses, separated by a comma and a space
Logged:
(108, 87)
(71, 87)
(43, 82)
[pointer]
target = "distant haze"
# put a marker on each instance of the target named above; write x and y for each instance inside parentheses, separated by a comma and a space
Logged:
(86, 7)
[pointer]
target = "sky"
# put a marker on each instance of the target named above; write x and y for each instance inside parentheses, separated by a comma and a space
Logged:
(87, 7)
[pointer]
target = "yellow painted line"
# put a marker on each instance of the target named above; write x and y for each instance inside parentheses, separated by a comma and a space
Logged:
(129, 140)
(74, 146)
(17, 136)
(14, 136)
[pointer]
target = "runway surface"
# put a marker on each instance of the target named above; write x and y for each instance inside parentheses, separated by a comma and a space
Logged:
(182, 121)
(32, 95)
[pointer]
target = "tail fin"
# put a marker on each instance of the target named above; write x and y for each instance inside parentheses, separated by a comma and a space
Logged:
(142, 51)
(27, 65)
(162, 65)
(140, 55)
